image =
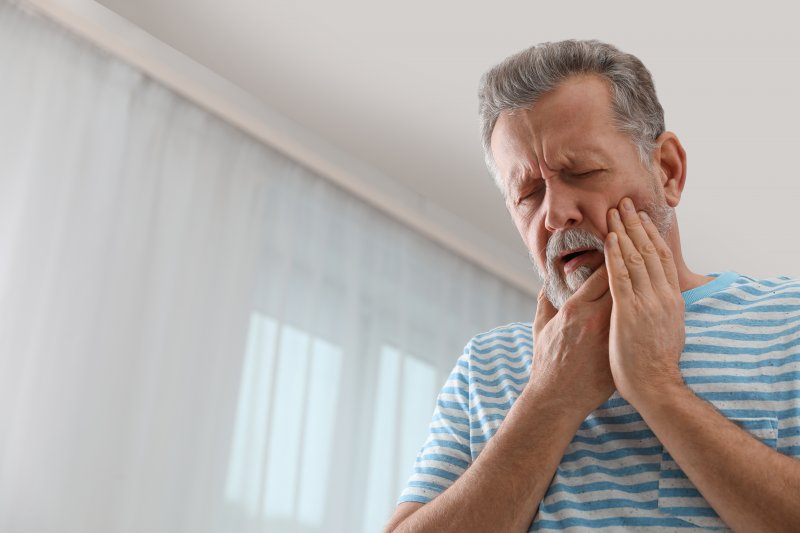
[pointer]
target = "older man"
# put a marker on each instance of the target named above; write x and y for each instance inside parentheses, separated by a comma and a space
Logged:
(643, 396)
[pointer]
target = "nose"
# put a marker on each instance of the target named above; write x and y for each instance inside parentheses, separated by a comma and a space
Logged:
(561, 205)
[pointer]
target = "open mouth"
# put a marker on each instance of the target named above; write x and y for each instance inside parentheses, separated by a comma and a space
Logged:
(572, 255)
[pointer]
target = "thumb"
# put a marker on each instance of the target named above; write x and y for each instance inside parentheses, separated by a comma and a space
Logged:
(595, 287)
(544, 313)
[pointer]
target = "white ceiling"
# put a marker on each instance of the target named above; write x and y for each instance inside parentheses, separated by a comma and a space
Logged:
(394, 85)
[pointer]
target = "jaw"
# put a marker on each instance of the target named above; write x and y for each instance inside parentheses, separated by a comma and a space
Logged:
(561, 283)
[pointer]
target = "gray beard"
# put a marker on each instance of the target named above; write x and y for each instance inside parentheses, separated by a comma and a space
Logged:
(559, 287)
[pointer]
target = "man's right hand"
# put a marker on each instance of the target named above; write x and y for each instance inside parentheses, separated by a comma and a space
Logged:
(502, 488)
(570, 351)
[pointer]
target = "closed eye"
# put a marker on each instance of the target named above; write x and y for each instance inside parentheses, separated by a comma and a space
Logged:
(587, 173)
(583, 174)
(529, 195)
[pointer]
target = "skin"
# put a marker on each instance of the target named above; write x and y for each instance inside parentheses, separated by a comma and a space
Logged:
(564, 165)
(540, 154)
(750, 485)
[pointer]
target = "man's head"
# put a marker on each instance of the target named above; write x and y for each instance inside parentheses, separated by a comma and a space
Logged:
(569, 129)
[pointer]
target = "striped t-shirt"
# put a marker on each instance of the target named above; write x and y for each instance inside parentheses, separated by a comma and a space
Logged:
(742, 354)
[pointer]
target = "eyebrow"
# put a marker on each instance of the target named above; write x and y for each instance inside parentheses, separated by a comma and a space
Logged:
(586, 152)
(518, 176)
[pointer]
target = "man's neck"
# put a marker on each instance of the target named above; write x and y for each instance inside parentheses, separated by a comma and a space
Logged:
(690, 280)
(686, 278)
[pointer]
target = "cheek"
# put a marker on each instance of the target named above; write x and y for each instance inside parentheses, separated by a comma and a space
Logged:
(537, 242)
(602, 227)
(525, 224)
(642, 198)
(597, 221)
(534, 236)
(520, 225)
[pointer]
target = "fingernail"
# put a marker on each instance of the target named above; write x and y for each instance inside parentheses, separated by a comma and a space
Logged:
(644, 216)
(615, 214)
(627, 204)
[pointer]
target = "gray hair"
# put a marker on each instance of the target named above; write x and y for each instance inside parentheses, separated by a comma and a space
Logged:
(520, 80)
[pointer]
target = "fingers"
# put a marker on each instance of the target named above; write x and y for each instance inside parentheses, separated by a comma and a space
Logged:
(544, 313)
(632, 259)
(595, 287)
(663, 251)
(641, 257)
(619, 280)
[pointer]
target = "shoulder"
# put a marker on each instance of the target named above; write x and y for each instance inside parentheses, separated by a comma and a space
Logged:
(778, 281)
(510, 336)
(495, 364)
(748, 302)
(749, 290)
(495, 349)
(744, 290)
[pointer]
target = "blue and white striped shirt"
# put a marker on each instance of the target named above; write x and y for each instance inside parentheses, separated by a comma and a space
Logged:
(742, 354)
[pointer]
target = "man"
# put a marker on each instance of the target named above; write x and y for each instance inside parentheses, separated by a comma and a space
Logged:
(643, 397)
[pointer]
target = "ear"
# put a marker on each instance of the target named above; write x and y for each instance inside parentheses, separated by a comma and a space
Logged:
(669, 158)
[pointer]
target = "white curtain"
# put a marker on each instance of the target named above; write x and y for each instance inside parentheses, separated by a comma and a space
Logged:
(197, 334)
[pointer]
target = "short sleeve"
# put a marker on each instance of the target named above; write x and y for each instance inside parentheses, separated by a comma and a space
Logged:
(446, 452)
(787, 384)
(789, 415)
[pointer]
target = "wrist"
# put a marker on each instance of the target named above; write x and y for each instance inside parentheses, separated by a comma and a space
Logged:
(658, 394)
(572, 411)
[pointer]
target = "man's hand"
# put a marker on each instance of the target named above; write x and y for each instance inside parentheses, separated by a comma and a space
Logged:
(570, 354)
(647, 320)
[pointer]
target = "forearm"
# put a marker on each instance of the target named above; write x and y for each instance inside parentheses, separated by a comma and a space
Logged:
(751, 486)
(502, 489)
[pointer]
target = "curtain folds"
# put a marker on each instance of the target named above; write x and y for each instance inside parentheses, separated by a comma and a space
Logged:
(196, 333)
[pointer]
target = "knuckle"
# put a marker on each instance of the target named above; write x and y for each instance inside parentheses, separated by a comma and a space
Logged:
(649, 248)
(568, 310)
(665, 253)
(622, 275)
(542, 295)
(632, 224)
(635, 258)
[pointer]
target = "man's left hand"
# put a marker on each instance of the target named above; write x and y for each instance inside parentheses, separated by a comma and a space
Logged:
(646, 336)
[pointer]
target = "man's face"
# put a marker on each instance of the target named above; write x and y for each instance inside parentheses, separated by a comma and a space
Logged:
(564, 164)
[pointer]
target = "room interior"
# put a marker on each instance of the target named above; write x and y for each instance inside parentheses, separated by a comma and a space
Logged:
(245, 243)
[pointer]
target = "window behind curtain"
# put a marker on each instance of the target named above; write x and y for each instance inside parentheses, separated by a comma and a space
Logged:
(196, 333)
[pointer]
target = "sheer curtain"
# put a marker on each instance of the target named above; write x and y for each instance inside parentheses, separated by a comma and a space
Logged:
(197, 334)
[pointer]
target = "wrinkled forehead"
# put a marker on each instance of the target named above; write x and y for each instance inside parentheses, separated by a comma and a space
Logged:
(519, 141)
(565, 113)
(574, 121)
(513, 133)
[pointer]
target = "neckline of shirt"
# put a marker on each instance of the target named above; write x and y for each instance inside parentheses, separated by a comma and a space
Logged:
(721, 281)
